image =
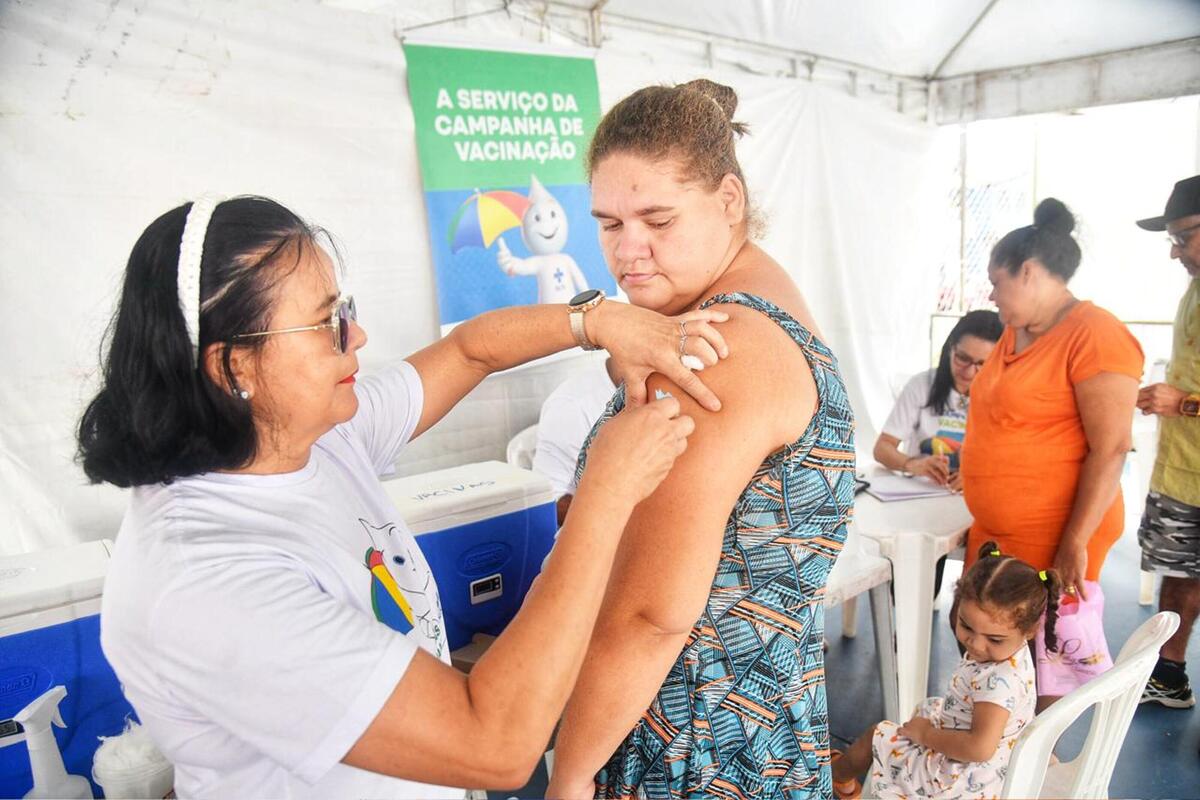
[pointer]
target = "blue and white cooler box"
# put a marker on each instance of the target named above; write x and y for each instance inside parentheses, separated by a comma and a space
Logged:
(484, 529)
(50, 635)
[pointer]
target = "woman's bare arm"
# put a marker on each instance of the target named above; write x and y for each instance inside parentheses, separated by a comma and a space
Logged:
(664, 568)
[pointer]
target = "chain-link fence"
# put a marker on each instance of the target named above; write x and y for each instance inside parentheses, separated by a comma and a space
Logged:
(978, 215)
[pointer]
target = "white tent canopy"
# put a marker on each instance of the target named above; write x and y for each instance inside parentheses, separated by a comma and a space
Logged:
(116, 111)
(921, 38)
(969, 59)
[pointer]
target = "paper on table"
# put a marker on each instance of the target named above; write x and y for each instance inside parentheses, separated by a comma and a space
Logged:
(888, 488)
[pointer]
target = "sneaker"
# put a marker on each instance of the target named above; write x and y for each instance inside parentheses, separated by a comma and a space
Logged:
(1170, 696)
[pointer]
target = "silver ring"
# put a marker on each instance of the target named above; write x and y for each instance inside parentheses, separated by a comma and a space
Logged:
(682, 343)
(683, 328)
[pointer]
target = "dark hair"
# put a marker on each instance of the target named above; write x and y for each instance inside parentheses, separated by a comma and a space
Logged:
(1048, 240)
(157, 417)
(1012, 587)
(691, 121)
(982, 324)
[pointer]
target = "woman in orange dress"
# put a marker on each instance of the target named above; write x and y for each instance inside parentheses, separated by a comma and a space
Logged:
(1051, 412)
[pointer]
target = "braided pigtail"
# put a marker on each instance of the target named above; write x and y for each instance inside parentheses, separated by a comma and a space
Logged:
(1054, 588)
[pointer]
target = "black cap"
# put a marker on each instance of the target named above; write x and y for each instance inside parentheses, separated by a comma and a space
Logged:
(1183, 202)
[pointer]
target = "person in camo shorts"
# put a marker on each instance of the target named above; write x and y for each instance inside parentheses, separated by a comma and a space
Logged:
(1170, 530)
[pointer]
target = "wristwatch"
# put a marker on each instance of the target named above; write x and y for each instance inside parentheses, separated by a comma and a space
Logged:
(579, 305)
(1190, 405)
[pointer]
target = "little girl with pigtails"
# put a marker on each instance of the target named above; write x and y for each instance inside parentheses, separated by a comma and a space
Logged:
(958, 746)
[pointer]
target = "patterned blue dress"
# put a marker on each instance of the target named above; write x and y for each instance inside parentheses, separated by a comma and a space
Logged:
(742, 712)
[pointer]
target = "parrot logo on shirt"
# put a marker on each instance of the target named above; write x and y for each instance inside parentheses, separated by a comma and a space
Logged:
(403, 595)
(389, 604)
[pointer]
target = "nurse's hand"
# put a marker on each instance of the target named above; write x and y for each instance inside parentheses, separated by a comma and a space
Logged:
(635, 450)
(644, 342)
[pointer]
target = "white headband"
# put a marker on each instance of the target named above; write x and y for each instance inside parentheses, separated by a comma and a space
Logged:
(191, 249)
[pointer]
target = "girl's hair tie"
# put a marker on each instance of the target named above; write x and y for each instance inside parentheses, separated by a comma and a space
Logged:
(994, 553)
(1042, 575)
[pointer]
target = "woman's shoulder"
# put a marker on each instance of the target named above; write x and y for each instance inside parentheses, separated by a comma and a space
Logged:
(1097, 330)
(763, 285)
(756, 339)
(1090, 322)
(1090, 315)
(920, 383)
(766, 368)
(758, 308)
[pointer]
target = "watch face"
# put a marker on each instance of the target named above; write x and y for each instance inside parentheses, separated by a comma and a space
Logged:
(1190, 406)
(586, 296)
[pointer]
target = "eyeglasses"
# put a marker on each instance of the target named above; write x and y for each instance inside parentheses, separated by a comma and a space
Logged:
(964, 360)
(343, 313)
(1177, 239)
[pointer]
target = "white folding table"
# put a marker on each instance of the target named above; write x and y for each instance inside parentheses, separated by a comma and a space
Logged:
(913, 535)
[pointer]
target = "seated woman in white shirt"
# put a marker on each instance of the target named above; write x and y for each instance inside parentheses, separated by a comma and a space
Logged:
(268, 613)
(567, 417)
(924, 432)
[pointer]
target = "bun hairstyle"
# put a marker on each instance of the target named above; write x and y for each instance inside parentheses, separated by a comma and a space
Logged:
(691, 122)
(1008, 585)
(1048, 240)
(725, 98)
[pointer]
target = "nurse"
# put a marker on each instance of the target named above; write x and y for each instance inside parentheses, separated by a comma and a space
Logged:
(269, 615)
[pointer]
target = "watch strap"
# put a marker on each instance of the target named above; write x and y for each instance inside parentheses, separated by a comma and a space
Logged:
(1189, 406)
(577, 330)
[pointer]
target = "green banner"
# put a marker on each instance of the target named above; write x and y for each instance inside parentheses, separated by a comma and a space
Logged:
(501, 138)
(491, 117)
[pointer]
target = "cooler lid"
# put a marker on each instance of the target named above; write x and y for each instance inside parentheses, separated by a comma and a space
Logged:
(447, 498)
(54, 577)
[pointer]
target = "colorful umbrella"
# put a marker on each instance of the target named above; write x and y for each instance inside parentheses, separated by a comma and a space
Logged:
(483, 217)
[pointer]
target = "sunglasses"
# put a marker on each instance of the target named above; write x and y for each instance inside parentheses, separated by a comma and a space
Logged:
(343, 313)
(1178, 239)
(964, 360)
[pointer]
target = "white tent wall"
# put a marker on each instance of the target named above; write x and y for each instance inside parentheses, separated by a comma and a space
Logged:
(115, 112)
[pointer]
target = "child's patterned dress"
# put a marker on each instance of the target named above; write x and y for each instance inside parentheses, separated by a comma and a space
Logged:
(902, 769)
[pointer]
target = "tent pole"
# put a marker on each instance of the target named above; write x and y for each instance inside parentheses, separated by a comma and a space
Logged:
(595, 35)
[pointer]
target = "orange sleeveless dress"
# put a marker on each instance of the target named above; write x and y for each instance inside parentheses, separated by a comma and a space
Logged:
(1025, 443)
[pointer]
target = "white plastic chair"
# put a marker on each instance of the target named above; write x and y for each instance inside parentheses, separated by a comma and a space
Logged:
(522, 447)
(1115, 694)
(856, 571)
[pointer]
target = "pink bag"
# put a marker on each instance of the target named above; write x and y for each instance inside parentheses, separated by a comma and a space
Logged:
(1082, 648)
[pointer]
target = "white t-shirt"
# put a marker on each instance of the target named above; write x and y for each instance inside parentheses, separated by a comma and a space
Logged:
(914, 423)
(258, 623)
(567, 418)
